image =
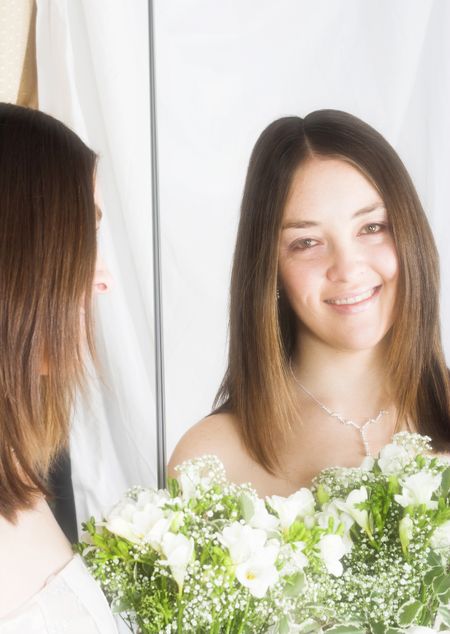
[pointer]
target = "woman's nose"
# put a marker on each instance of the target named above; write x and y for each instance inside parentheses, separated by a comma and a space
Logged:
(103, 279)
(346, 265)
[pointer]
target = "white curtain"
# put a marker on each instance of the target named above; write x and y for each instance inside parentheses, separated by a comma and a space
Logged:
(92, 59)
(224, 70)
(227, 69)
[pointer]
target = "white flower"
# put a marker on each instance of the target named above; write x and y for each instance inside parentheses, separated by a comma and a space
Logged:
(178, 551)
(191, 482)
(299, 504)
(261, 517)
(242, 541)
(155, 535)
(418, 489)
(355, 497)
(332, 549)
(132, 522)
(294, 557)
(393, 458)
(440, 539)
(330, 510)
(259, 572)
(150, 496)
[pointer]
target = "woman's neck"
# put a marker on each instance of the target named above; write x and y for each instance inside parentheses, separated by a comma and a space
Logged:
(352, 383)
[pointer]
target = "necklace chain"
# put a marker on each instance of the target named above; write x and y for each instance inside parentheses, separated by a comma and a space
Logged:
(344, 421)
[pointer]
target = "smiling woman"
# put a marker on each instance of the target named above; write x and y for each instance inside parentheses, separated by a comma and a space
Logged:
(334, 316)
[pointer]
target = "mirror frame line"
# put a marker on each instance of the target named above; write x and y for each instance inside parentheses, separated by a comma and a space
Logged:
(157, 278)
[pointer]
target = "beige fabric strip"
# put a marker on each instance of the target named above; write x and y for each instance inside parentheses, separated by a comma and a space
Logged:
(18, 75)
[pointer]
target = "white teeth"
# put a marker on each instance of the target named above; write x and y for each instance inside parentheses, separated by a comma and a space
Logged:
(352, 300)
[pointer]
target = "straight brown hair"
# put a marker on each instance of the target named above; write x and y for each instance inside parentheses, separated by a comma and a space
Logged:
(257, 387)
(47, 264)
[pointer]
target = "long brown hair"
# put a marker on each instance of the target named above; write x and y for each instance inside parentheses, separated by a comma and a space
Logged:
(256, 387)
(47, 265)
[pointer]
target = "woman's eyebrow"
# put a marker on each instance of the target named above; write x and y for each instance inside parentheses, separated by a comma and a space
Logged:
(301, 224)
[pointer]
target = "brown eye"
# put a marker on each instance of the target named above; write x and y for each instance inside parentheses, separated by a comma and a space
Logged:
(304, 244)
(374, 227)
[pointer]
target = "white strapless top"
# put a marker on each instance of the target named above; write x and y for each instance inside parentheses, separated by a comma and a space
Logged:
(71, 602)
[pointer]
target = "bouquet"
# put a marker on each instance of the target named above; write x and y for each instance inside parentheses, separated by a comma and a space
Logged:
(364, 550)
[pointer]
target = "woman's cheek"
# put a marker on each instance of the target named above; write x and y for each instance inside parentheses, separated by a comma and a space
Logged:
(385, 260)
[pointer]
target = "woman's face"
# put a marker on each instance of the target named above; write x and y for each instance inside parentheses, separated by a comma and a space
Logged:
(337, 261)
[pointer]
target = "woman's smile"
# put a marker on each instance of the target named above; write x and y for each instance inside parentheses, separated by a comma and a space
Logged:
(350, 304)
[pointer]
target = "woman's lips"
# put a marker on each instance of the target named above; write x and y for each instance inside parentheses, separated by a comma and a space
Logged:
(355, 303)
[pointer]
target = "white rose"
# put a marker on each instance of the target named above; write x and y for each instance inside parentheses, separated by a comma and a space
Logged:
(418, 489)
(332, 549)
(393, 458)
(178, 551)
(348, 506)
(440, 539)
(259, 572)
(242, 541)
(299, 504)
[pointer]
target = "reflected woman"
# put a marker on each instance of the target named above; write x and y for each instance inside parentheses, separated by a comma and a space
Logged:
(48, 272)
(334, 318)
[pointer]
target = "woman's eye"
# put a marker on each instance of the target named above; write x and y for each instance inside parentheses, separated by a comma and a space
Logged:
(374, 227)
(304, 244)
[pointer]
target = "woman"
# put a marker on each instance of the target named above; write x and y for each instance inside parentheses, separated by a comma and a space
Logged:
(48, 272)
(334, 324)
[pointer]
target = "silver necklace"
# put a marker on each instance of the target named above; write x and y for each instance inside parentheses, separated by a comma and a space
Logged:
(345, 421)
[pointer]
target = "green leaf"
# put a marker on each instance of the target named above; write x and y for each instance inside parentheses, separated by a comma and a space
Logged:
(123, 547)
(296, 532)
(435, 571)
(441, 584)
(174, 487)
(444, 613)
(409, 612)
(283, 626)
(322, 495)
(247, 507)
(295, 584)
(434, 559)
(310, 626)
(378, 628)
(445, 482)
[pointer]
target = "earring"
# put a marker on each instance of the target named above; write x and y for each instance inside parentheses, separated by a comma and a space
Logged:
(278, 293)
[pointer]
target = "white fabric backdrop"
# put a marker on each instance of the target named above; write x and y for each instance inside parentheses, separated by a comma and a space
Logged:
(224, 71)
(92, 59)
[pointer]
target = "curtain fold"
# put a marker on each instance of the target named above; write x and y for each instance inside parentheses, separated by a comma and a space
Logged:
(92, 63)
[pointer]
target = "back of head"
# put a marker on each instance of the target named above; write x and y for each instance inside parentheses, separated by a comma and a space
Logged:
(47, 264)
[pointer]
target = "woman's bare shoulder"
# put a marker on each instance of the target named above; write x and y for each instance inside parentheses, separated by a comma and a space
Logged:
(216, 434)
